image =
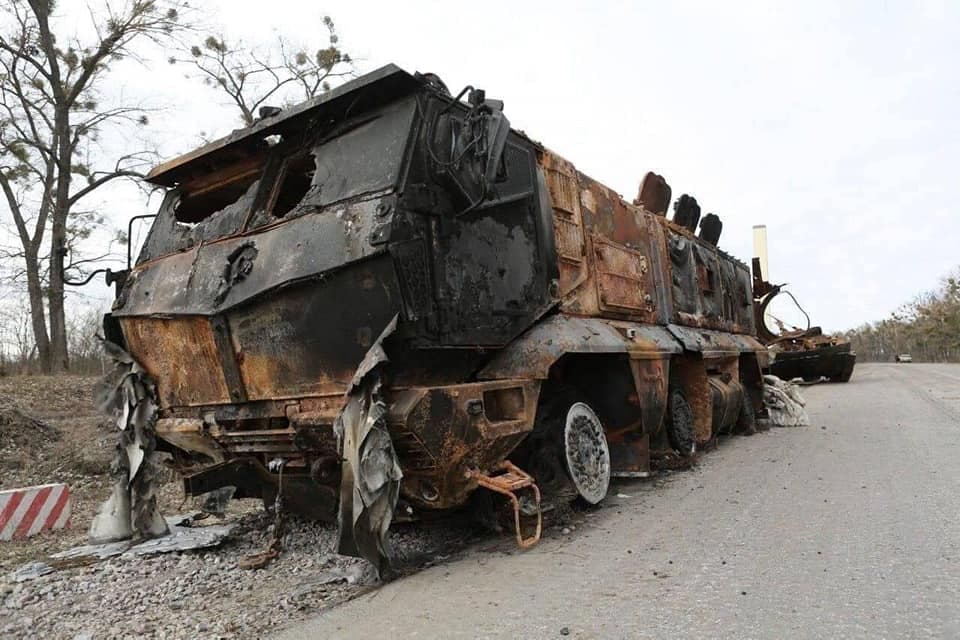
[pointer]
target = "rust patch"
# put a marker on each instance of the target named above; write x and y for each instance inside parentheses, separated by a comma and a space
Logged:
(181, 355)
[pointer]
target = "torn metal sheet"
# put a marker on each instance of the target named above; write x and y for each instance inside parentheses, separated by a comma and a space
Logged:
(370, 481)
(130, 396)
(181, 537)
(784, 403)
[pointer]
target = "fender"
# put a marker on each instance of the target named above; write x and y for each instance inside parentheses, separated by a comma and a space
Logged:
(534, 352)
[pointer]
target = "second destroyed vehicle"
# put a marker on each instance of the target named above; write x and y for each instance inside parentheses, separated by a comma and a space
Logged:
(798, 352)
(386, 289)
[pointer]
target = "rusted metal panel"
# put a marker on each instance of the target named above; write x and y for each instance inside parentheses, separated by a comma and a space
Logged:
(533, 353)
(442, 433)
(624, 281)
(651, 377)
(714, 344)
(690, 374)
(561, 180)
(181, 355)
(654, 194)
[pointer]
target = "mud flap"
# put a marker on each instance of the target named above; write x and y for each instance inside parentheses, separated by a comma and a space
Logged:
(371, 475)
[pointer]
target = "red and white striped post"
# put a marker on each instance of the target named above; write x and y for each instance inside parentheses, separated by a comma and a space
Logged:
(30, 510)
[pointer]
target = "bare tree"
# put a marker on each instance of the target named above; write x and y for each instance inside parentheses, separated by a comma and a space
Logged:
(17, 346)
(50, 117)
(251, 76)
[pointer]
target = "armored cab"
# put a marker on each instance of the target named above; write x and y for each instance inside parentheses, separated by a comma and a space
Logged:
(531, 331)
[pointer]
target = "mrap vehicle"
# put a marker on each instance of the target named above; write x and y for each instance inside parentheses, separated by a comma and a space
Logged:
(537, 333)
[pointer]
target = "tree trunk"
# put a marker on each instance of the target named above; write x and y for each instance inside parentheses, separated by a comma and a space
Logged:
(55, 304)
(37, 319)
(58, 243)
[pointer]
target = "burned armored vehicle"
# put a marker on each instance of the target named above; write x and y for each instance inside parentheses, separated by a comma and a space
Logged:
(798, 352)
(387, 284)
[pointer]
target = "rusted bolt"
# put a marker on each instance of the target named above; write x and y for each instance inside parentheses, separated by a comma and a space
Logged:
(383, 209)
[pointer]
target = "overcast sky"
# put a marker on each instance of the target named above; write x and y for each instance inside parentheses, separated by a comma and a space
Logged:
(835, 124)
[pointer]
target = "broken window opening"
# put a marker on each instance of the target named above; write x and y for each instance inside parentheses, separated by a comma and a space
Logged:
(200, 201)
(296, 178)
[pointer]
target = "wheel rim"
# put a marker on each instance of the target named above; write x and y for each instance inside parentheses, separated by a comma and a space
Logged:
(587, 453)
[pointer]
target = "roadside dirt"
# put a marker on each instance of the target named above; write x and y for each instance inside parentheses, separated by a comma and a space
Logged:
(50, 431)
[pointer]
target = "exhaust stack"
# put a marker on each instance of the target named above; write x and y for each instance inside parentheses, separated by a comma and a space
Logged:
(760, 249)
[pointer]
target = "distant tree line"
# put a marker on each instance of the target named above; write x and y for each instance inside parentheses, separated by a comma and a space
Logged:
(928, 328)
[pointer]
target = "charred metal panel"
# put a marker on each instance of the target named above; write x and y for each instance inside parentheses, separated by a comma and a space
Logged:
(708, 281)
(376, 88)
(306, 340)
(683, 275)
(689, 374)
(606, 249)
(181, 355)
(492, 275)
(412, 263)
(198, 282)
(709, 288)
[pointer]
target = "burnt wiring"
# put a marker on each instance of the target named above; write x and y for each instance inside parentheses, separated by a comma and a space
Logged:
(275, 546)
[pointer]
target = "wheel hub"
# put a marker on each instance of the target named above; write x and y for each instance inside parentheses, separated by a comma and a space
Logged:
(587, 453)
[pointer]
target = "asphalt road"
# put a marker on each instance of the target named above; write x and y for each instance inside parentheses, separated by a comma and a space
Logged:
(849, 528)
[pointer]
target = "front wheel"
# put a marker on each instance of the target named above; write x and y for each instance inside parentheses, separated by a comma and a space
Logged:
(586, 452)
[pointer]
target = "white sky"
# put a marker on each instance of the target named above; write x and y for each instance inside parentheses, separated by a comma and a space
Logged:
(835, 124)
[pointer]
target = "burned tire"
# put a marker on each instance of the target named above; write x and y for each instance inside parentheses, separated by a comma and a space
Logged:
(567, 452)
(586, 453)
(680, 427)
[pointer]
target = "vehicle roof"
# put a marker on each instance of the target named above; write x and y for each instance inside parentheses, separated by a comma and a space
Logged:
(381, 85)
